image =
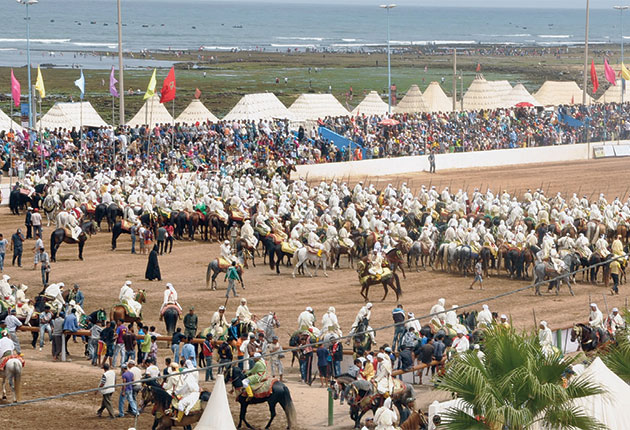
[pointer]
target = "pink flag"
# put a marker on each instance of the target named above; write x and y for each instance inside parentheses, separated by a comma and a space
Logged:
(15, 90)
(112, 84)
(609, 72)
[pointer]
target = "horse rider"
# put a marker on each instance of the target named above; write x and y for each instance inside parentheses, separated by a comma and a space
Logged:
(188, 391)
(72, 304)
(601, 246)
(54, 292)
(24, 308)
(314, 241)
(617, 250)
(545, 338)
(330, 323)
(128, 296)
(461, 342)
(383, 379)
(247, 234)
(6, 292)
(582, 246)
(170, 298)
(376, 263)
(616, 321)
(226, 252)
(438, 315)
(364, 314)
(596, 319)
(484, 318)
(344, 237)
(243, 314)
(73, 225)
(385, 417)
(566, 245)
(306, 320)
(256, 375)
(218, 322)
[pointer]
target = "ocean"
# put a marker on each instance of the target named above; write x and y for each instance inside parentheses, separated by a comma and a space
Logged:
(87, 25)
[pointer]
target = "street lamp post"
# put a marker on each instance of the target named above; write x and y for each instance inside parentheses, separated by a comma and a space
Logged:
(585, 56)
(27, 3)
(389, 70)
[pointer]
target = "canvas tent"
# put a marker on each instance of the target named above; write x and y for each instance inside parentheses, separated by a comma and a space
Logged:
(196, 112)
(311, 107)
(613, 94)
(152, 112)
(519, 94)
(7, 123)
(501, 89)
(438, 408)
(372, 104)
(481, 95)
(216, 415)
(436, 100)
(554, 93)
(256, 107)
(69, 115)
(412, 102)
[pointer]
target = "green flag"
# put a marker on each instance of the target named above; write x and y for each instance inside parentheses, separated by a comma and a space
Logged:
(151, 88)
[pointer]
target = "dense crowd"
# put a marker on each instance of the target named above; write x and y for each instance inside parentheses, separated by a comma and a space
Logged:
(204, 146)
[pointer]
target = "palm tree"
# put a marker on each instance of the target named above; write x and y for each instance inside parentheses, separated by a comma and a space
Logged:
(515, 386)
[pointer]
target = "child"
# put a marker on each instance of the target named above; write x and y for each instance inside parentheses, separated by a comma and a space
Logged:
(478, 277)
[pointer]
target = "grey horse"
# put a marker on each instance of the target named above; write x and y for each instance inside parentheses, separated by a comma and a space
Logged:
(542, 270)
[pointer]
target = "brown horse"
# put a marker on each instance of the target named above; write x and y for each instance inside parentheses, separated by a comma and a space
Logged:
(153, 393)
(394, 258)
(337, 250)
(367, 281)
(119, 312)
(60, 236)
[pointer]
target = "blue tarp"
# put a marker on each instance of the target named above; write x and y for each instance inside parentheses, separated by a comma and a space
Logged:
(569, 120)
(340, 142)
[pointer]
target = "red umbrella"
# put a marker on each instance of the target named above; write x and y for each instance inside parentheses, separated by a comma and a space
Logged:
(524, 104)
(389, 121)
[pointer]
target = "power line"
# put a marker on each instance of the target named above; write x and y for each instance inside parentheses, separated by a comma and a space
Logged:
(298, 348)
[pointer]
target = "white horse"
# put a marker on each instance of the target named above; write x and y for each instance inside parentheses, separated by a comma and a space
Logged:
(267, 325)
(302, 255)
(50, 205)
(63, 219)
(13, 373)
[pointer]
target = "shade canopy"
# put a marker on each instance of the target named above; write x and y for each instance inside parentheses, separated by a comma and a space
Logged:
(554, 93)
(309, 107)
(152, 112)
(436, 100)
(7, 123)
(196, 112)
(69, 115)
(372, 104)
(256, 107)
(481, 95)
(412, 102)
(519, 94)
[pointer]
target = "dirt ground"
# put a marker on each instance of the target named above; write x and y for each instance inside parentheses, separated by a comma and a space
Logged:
(103, 272)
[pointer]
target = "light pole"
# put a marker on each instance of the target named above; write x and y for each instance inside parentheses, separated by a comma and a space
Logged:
(389, 70)
(121, 81)
(27, 3)
(585, 56)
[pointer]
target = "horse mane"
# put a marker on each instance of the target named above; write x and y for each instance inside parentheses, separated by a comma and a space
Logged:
(162, 397)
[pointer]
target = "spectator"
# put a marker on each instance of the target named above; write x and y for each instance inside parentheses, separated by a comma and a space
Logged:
(126, 392)
(3, 251)
(108, 380)
(45, 321)
(206, 353)
(17, 246)
(57, 336)
(129, 340)
(176, 339)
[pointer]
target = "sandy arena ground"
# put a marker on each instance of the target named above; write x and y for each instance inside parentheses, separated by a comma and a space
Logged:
(103, 272)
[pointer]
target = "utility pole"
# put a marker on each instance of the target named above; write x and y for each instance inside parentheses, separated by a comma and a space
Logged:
(585, 56)
(121, 80)
(454, 79)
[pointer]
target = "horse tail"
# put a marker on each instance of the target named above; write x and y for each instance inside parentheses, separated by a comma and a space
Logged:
(397, 281)
(15, 369)
(289, 408)
(208, 271)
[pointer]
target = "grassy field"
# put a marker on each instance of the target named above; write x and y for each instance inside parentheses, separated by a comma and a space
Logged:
(230, 75)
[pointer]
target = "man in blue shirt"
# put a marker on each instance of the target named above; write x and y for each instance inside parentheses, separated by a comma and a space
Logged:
(398, 315)
(70, 324)
(126, 393)
(188, 351)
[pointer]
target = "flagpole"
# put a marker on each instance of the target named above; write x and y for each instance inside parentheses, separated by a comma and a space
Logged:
(121, 80)
(41, 140)
(585, 54)
(11, 151)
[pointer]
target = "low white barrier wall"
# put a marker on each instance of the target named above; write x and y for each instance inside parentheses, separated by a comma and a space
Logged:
(458, 160)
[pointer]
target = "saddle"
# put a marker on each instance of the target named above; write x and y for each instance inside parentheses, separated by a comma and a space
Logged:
(287, 248)
(164, 212)
(128, 309)
(384, 276)
(90, 208)
(67, 231)
(5, 360)
(125, 225)
(315, 251)
(277, 240)
(238, 215)
(224, 264)
(202, 216)
(173, 412)
(263, 389)
(169, 306)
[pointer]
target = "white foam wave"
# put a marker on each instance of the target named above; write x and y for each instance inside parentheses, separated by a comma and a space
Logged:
(47, 41)
(96, 44)
(349, 40)
(219, 48)
(316, 39)
(8, 49)
(554, 36)
(292, 45)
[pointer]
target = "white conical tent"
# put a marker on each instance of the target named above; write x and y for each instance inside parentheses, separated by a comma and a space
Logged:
(480, 95)
(372, 104)
(256, 107)
(7, 123)
(501, 90)
(554, 93)
(519, 94)
(436, 100)
(152, 112)
(309, 107)
(196, 112)
(613, 93)
(217, 415)
(412, 102)
(69, 115)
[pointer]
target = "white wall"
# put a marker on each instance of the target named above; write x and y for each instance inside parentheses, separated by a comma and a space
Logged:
(401, 165)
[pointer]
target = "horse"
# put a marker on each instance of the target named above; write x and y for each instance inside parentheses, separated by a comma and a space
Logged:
(394, 258)
(213, 267)
(487, 260)
(119, 312)
(100, 213)
(246, 251)
(337, 250)
(267, 324)
(171, 316)
(279, 395)
(541, 270)
(367, 281)
(589, 338)
(113, 212)
(60, 236)
(153, 393)
(303, 255)
(18, 200)
(12, 373)
(50, 204)
(420, 252)
(276, 254)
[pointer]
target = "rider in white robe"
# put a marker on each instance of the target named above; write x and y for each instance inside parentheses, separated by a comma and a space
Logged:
(596, 318)
(5, 290)
(383, 378)
(306, 319)
(25, 309)
(226, 251)
(170, 297)
(243, 313)
(330, 323)
(128, 297)
(247, 234)
(545, 338)
(484, 318)
(54, 292)
(188, 390)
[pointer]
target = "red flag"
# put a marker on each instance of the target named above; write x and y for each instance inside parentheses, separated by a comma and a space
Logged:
(15, 90)
(572, 100)
(168, 88)
(478, 67)
(594, 80)
(197, 93)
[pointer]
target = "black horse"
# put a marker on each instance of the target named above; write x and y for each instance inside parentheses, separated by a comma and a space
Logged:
(60, 236)
(18, 201)
(279, 394)
(276, 254)
(100, 213)
(117, 229)
(170, 316)
(113, 212)
(589, 338)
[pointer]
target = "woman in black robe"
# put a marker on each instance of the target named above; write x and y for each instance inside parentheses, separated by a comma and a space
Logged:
(153, 268)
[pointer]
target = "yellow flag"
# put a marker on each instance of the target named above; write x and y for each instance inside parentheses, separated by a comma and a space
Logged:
(625, 74)
(39, 84)
(151, 88)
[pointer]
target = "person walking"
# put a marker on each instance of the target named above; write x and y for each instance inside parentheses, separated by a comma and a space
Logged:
(36, 220)
(3, 251)
(161, 238)
(17, 246)
(28, 223)
(153, 268)
(176, 339)
(231, 276)
(57, 336)
(188, 351)
(108, 380)
(45, 268)
(478, 275)
(119, 346)
(432, 162)
(126, 393)
(170, 231)
(95, 336)
(37, 250)
(133, 231)
(45, 320)
(398, 315)
(615, 270)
